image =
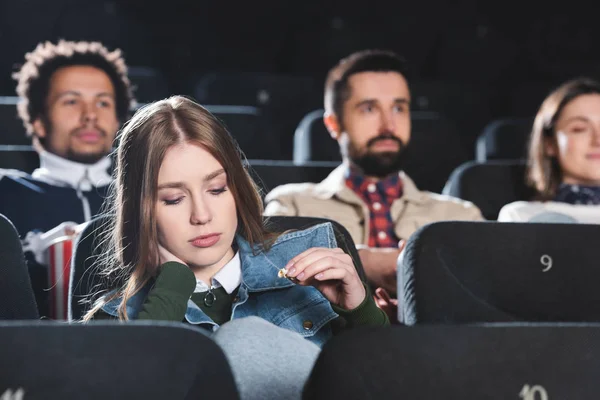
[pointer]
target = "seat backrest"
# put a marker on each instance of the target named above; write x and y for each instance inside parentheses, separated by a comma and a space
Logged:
(471, 272)
(435, 148)
(434, 151)
(468, 115)
(282, 99)
(269, 174)
(255, 89)
(86, 282)
(312, 141)
(22, 158)
(12, 131)
(504, 139)
(149, 83)
(16, 295)
(490, 185)
(246, 125)
(499, 362)
(103, 360)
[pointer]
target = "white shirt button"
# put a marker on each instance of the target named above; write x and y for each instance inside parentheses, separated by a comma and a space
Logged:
(371, 188)
(376, 206)
(381, 235)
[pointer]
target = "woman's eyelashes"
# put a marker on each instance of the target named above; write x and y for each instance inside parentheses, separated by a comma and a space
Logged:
(171, 202)
(218, 191)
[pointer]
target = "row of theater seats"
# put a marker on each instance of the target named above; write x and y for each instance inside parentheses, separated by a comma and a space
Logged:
(489, 185)
(453, 272)
(269, 109)
(435, 151)
(500, 139)
(454, 280)
(492, 272)
(267, 173)
(433, 136)
(247, 120)
(168, 361)
(436, 148)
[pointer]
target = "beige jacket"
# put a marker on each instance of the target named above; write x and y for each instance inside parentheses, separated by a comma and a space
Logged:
(332, 199)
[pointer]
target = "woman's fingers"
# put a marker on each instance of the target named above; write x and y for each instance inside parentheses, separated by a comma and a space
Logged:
(319, 266)
(333, 274)
(311, 252)
(332, 256)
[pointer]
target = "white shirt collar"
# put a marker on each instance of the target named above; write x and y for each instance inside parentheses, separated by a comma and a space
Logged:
(229, 277)
(60, 171)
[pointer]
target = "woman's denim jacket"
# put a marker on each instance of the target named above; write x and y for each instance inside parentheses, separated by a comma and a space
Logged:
(302, 309)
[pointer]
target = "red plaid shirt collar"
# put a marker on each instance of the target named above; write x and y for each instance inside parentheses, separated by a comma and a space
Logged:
(392, 186)
(378, 196)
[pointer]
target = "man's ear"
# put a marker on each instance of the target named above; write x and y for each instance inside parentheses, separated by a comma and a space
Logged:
(39, 129)
(332, 124)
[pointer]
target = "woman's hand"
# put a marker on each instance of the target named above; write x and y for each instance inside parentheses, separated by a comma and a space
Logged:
(332, 272)
(165, 255)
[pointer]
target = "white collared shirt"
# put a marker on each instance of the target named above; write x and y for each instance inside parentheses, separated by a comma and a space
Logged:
(60, 171)
(229, 277)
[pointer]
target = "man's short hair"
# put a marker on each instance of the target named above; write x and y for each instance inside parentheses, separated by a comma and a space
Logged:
(35, 74)
(337, 90)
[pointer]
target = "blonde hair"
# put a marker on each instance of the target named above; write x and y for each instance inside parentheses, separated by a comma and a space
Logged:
(132, 244)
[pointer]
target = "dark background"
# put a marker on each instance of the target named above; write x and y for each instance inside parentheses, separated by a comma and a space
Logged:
(487, 59)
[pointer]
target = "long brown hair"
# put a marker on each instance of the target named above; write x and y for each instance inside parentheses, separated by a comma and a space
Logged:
(133, 244)
(544, 173)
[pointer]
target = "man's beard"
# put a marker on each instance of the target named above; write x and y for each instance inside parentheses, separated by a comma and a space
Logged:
(78, 157)
(379, 164)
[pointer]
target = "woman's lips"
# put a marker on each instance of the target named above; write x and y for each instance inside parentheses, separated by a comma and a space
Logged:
(206, 240)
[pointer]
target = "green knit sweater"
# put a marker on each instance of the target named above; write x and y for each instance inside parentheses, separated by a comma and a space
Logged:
(167, 301)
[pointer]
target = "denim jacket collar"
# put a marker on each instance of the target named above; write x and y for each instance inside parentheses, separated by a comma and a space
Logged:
(259, 268)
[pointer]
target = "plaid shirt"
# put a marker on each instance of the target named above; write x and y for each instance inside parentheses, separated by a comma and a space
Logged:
(379, 197)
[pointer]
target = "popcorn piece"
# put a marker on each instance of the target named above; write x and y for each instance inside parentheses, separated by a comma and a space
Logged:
(282, 273)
